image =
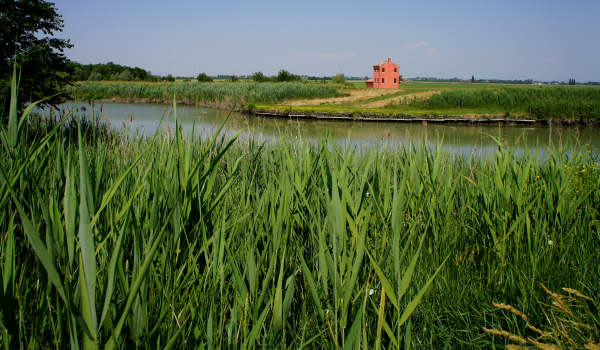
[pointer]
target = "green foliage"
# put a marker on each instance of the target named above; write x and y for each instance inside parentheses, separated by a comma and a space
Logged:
(108, 71)
(26, 37)
(214, 244)
(284, 75)
(234, 78)
(338, 79)
(539, 101)
(259, 77)
(170, 241)
(223, 93)
(95, 76)
(203, 78)
(169, 78)
(125, 75)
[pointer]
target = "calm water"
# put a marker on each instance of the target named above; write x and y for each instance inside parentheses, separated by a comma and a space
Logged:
(145, 119)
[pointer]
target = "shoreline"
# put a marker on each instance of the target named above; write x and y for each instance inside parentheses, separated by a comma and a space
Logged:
(370, 117)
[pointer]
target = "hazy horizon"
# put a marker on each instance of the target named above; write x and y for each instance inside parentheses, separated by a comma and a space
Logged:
(540, 40)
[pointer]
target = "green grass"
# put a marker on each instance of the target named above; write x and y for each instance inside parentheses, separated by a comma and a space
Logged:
(459, 99)
(385, 111)
(170, 242)
(536, 101)
(193, 92)
(450, 99)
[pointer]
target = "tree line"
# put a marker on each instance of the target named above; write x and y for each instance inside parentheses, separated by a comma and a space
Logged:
(108, 71)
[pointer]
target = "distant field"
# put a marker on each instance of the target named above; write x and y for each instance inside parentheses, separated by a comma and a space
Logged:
(224, 93)
(412, 98)
(423, 98)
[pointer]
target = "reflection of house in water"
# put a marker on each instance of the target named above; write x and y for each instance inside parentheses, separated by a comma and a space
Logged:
(386, 75)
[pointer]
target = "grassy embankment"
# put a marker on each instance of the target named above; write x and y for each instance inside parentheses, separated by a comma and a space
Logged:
(168, 242)
(460, 99)
(413, 98)
(221, 94)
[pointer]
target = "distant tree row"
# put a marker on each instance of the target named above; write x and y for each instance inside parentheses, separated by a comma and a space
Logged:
(259, 77)
(109, 71)
(283, 75)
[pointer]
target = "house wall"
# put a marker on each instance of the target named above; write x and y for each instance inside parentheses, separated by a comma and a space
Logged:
(386, 75)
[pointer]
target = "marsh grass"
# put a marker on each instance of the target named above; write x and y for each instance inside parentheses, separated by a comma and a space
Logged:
(535, 101)
(172, 242)
(225, 94)
(572, 322)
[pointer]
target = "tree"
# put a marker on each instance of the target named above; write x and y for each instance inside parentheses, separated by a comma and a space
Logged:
(259, 77)
(338, 79)
(472, 78)
(125, 75)
(203, 78)
(27, 29)
(284, 75)
(95, 76)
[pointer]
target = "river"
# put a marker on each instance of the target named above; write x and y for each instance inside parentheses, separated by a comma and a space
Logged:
(466, 139)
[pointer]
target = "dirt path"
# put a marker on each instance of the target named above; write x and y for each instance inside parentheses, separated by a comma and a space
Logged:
(417, 95)
(355, 95)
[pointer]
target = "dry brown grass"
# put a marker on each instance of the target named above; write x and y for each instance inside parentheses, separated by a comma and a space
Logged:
(355, 95)
(571, 324)
(418, 95)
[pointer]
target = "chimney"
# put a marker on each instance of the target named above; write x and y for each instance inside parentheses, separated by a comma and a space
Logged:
(389, 59)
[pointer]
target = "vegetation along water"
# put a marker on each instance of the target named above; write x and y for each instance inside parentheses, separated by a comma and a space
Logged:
(413, 98)
(197, 233)
(166, 241)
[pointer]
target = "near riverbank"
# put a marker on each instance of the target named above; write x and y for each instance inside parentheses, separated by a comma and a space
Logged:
(412, 102)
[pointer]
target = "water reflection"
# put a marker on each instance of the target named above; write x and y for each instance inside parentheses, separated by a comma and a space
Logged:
(146, 119)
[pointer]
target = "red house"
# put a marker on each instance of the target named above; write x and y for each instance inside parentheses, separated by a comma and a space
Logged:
(386, 75)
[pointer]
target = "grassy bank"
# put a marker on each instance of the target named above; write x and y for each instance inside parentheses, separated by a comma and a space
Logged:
(169, 242)
(537, 101)
(464, 99)
(214, 93)
(412, 98)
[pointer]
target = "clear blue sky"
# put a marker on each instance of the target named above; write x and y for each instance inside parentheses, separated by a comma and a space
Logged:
(508, 39)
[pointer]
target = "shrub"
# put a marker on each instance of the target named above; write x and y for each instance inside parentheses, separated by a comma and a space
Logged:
(284, 75)
(95, 76)
(259, 77)
(339, 79)
(203, 78)
(125, 76)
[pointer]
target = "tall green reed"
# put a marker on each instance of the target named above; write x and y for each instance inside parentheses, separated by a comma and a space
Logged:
(173, 242)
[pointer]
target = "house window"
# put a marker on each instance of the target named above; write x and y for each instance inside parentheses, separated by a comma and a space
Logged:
(383, 80)
(395, 70)
(382, 70)
(394, 80)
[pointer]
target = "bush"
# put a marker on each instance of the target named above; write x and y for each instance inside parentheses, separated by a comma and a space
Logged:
(125, 76)
(284, 75)
(203, 78)
(339, 79)
(95, 76)
(259, 77)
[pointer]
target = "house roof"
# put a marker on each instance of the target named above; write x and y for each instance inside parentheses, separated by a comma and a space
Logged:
(370, 80)
(382, 63)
